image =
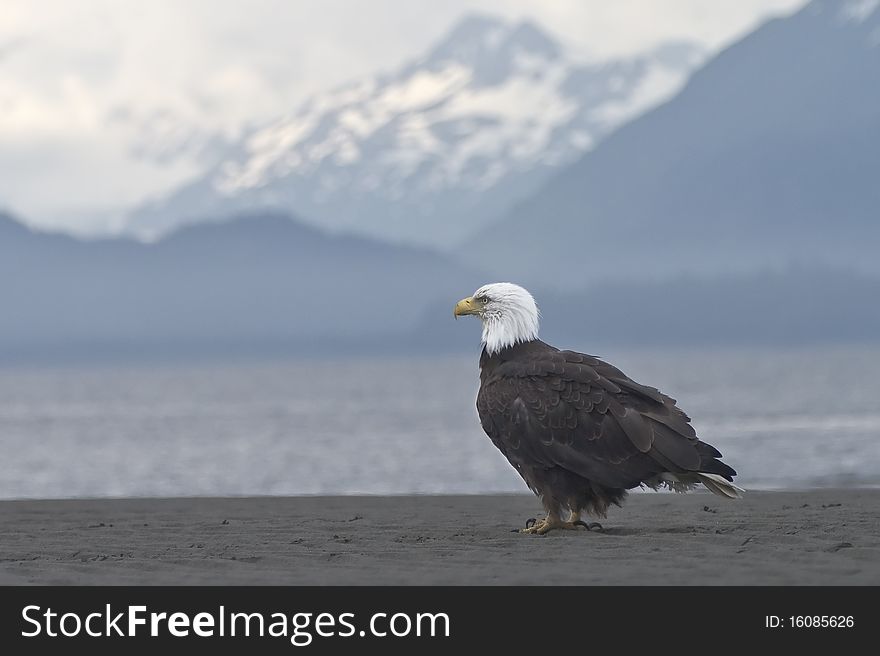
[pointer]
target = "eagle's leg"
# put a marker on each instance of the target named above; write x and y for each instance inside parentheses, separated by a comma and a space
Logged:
(553, 518)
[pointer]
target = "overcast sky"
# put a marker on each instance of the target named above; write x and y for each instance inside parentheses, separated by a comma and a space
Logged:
(85, 84)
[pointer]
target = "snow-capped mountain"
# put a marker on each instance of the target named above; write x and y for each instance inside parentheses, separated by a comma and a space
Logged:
(767, 158)
(432, 152)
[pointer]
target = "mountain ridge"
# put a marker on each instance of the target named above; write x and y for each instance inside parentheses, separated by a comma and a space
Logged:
(426, 153)
(240, 285)
(265, 286)
(735, 173)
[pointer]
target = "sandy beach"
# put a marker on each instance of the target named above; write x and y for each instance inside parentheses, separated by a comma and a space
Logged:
(813, 537)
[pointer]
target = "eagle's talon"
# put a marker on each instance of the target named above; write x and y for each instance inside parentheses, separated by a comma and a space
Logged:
(531, 530)
(535, 526)
(544, 526)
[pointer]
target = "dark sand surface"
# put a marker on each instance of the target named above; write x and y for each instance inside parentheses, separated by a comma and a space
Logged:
(813, 537)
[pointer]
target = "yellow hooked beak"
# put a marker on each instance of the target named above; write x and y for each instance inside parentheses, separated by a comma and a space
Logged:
(465, 306)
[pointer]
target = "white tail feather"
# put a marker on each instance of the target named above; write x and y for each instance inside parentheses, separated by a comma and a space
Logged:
(721, 486)
(686, 482)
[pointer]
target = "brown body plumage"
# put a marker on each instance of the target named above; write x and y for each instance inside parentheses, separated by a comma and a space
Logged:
(577, 429)
(581, 433)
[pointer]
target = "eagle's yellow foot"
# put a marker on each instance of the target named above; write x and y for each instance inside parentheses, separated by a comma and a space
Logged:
(544, 526)
(533, 525)
(550, 523)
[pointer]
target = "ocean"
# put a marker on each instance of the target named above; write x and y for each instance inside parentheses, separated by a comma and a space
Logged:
(784, 418)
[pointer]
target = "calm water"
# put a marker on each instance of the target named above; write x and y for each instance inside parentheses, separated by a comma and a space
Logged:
(784, 419)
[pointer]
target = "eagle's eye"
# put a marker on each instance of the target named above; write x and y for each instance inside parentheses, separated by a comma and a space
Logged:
(484, 299)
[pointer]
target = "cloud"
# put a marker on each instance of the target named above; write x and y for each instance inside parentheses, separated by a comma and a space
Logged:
(11, 46)
(82, 84)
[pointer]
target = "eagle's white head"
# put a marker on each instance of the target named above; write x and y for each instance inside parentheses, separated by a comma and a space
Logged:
(508, 312)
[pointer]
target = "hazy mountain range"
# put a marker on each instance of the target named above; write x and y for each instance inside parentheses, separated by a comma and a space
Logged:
(744, 210)
(256, 285)
(769, 156)
(432, 151)
(267, 285)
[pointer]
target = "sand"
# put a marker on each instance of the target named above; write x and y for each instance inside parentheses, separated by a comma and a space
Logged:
(812, 537)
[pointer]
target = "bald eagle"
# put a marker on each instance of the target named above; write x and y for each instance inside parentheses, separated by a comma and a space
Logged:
(578, 430)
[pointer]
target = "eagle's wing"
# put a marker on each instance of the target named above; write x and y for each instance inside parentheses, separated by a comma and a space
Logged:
(575, 411)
